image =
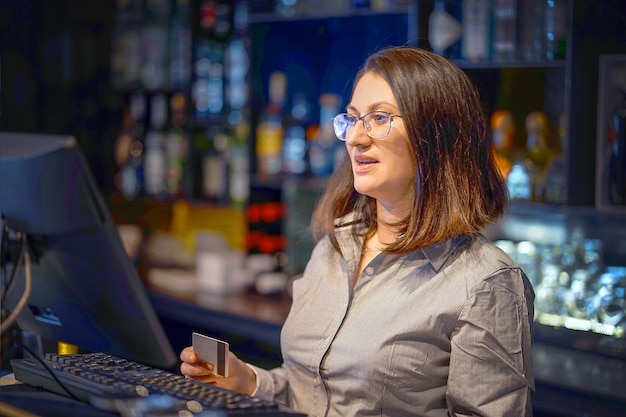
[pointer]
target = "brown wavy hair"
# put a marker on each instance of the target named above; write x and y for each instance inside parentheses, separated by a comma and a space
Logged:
(457, 189)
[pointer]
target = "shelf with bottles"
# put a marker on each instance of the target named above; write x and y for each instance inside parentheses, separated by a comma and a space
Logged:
(515, 53)
(500, 33)
(298, 10)
(181, 67)
(576, 259)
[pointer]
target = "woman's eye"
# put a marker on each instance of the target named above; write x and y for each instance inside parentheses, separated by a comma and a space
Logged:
(380, 118)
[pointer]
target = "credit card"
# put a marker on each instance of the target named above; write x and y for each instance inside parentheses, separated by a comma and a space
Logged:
(213, 351)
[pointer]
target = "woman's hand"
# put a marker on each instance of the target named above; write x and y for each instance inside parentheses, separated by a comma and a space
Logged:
(240, 378)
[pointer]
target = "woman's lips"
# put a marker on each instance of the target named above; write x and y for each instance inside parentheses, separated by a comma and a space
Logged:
(363, 164)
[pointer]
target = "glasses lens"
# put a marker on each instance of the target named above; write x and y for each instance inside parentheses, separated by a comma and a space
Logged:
(341, 123)
(378, 124)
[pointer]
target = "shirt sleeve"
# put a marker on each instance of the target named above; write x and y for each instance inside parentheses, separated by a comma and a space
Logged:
(271, 385)
(491, 371)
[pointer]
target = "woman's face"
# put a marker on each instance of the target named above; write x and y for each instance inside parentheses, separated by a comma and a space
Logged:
(383, 168)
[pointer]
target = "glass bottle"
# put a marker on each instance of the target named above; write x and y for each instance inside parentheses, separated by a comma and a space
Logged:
(269, 132)
(503, 134)
(295, 144)
(444, 28)
(617, 154)
(475, 41)
(155, 37)
(538, 156)
(504, 38)
(177, 149)
(555, 29)
(531, 44)
(556, 177)
(325, 149)
(154, 163)
(180, 47)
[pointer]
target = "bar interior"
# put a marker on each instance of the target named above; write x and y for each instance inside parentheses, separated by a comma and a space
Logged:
(203, 131)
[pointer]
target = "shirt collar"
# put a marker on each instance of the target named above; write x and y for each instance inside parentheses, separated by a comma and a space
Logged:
(439, 253)
(436, 254)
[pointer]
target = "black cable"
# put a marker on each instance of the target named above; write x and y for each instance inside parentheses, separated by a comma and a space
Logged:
(45, 365)
(10, 284)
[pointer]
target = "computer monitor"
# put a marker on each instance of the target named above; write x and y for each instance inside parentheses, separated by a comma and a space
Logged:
(85, 290)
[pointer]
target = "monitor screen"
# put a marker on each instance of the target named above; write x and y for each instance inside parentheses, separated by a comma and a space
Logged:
(84, 288)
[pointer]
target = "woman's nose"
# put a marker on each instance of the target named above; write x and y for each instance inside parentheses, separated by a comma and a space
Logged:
(357, 135)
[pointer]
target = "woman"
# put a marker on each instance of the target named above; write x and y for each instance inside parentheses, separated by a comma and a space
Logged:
(404, 307)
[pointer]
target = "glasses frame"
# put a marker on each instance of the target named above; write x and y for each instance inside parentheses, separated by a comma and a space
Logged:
(367, 127)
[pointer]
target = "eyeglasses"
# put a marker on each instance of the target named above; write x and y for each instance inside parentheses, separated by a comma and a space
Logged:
(377, 124)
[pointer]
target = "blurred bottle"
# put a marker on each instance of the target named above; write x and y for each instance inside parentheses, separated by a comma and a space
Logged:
(126, 46)
(444, 28)
(209, 48)
(295, 143)
(504, 38)
(130, 149)
(154, 164)
(269, 132)
(556, 178)
(215, 168)
(503, 135)
(476, 40)
(555, 29)
(325, 149)
(531, 37)
(239, 164)
(538, 155)
(177, 150)
(125, 178)
(617, 154)
(155, 37)
(236, 66)
(180, 47)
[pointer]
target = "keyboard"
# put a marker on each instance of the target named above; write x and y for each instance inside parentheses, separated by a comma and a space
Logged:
(103, 380)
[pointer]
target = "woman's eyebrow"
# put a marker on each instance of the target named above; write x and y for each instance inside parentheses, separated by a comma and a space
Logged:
(371, 107)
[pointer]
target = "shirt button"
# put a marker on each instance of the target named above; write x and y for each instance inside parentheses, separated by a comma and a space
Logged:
(369, 270)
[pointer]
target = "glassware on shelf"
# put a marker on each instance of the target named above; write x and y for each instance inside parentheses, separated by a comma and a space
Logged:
(579, 298)
(527, 260)
(609, 301)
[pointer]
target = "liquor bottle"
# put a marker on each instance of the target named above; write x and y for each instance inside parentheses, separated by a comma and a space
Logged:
(239, 163)
(504, 38)
(444, 28)
(555, 29)
(237, 66)
(121, 155)
(177, 150)
(269, 132)
(208, 84)
(538, 156)
(519, 181)
(126, 45)
(617, 154)
(132, 183)
(556, 178)
(503, 135)
(180, 47)
(475, 43)
(325, 149)
(155, 34)
(295, 143)
(154, 164)
(531, 44)
(214, 167)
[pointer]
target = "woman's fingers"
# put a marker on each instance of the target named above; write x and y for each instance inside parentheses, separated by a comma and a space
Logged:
(191, 367)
